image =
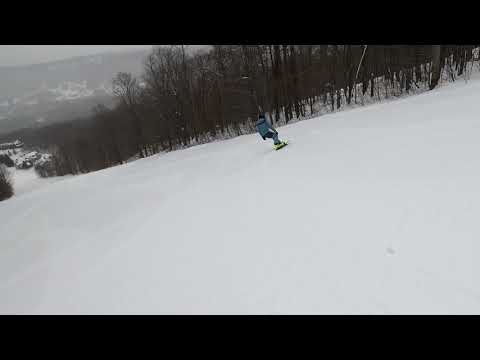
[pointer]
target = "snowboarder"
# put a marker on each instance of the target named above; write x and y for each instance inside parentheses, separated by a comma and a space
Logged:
(266, 130)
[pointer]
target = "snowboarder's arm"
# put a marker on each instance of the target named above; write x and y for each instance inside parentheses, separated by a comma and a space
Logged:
(272, 128)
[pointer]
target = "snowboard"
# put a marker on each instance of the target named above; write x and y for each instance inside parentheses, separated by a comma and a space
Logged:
(281, 145)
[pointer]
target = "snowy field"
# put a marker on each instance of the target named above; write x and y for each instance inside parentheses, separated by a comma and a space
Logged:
(26, 181)
(369, 211)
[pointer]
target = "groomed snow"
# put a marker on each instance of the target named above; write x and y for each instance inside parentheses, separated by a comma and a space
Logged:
(368, 211)
(26, 181)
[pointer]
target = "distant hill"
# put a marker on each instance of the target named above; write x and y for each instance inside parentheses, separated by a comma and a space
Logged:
(96, 70)
(39, 94)
(42, 94)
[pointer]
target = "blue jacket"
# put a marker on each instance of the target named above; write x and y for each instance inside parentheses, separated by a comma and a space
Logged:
(263, 127)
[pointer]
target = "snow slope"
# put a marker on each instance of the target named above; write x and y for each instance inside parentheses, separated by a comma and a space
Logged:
(368, 211)
(26, 181)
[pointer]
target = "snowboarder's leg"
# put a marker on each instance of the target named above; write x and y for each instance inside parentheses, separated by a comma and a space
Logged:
(275, 139)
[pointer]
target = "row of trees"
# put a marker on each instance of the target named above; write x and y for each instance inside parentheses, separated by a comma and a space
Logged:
(184, 99)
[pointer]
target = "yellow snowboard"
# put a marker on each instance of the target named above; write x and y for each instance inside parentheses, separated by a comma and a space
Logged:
(281, 145)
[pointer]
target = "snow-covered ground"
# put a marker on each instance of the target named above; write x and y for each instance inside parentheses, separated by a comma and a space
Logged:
(26, 181)
(369, 211)
(70, 90)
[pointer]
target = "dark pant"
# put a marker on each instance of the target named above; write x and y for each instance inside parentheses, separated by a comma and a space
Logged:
(274, 136)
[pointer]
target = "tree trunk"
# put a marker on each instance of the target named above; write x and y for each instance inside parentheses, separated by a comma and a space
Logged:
(436, 50)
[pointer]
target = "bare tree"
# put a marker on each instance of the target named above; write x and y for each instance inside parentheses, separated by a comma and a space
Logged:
(436, 69)
(126, 87)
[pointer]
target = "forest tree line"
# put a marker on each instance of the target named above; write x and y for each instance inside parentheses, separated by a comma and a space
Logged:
(183, 99)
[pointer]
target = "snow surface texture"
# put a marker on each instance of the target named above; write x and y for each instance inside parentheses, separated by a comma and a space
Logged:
(26, 181)
(368, 211)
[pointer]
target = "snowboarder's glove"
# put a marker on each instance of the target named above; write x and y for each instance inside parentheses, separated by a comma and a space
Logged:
(263, 137)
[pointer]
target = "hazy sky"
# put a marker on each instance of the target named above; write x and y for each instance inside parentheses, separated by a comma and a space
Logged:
(11, 55)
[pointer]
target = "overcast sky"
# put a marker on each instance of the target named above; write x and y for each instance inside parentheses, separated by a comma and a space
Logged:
(11, 55)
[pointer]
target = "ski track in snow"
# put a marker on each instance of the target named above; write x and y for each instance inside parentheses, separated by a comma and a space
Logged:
(368, 211)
